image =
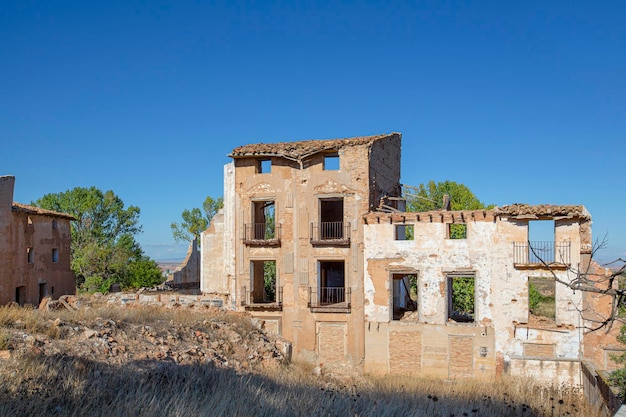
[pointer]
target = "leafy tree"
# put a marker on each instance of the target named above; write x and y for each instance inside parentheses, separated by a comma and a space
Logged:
(194, 221)
(269, 280)
(430, 196)
(103, 248)
(463, 295)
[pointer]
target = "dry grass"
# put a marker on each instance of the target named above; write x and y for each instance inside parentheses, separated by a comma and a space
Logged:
(64, 385)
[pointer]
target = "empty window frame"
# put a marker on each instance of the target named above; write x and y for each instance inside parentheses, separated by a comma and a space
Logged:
(331, 218)
(43, 292)
(264, 166)
(263, 220)
(331, 162)
(55, 255)
(404, 295)
(404, 232)
(541, 299)
(541, 238)
(30, 254)
(331, 282)
(263, 281)
(20, 295)
(461, 298)
(457, 231)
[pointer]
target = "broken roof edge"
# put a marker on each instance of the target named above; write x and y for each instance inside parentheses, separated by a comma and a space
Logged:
(543, 210)
(24, 208)
(526, 211)
(299, 150)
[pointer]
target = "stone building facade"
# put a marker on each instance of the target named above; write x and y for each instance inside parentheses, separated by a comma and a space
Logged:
(34, 251)
(313, 240)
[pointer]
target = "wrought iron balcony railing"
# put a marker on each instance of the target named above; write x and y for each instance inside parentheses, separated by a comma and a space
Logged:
(330, 233)
(330, 299)
(538, 253)
(261, 234)
(261, 300)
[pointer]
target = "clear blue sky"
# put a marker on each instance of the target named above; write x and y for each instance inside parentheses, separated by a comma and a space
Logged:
(523, 102)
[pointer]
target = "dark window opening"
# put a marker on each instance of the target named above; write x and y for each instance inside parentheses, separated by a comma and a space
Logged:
(461, 299)
(331, 162)
(20, 295)
(42, 292)
(263, 282)
(457, 230)
(331, 282)
(30, 255)
(541, 299)
(55, 255)
(404, 232)
(55, 224)
(331, 218)
(404, 298)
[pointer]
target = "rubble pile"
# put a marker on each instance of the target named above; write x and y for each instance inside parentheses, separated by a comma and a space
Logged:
(225, 339)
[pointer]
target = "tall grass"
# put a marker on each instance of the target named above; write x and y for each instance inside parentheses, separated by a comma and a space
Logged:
(66, 385)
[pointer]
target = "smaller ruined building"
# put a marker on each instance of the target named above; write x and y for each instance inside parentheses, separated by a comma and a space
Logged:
(34, 251)
(314, 241)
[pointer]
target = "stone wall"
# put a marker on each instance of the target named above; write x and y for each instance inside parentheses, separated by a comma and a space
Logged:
(187, 275)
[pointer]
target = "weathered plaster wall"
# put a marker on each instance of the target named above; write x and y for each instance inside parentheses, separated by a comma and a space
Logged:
(296, 187)
(187, 275)
(501, 332)
(217, 261)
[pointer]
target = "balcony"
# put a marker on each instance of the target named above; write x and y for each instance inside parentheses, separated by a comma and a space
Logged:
(330, 299)
(261, 301)
(330, 233)
(537, 254)
(261, 234)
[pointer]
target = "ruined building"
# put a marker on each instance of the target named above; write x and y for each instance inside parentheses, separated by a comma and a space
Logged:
(34, 251)
(313, 240)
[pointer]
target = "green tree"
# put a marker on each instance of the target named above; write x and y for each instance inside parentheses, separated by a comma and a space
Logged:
(430, 196)
(194, 221)
(103, 249)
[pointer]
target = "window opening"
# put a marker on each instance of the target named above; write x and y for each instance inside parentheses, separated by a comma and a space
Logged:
(404, 296)
(42, 292)
(541, 238)
(331, 162)
(404, 232)
(264, 220)
(461, 300)
(55, 255)
(29, 220)
(55, 224)
(265, 166)
(332, 281)
(31, 255)
(331, 218)
(541, 299)
(20, 295)
(263, 281)
(457, 230)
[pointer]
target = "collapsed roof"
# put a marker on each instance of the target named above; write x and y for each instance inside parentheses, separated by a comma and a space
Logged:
(302, 149)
